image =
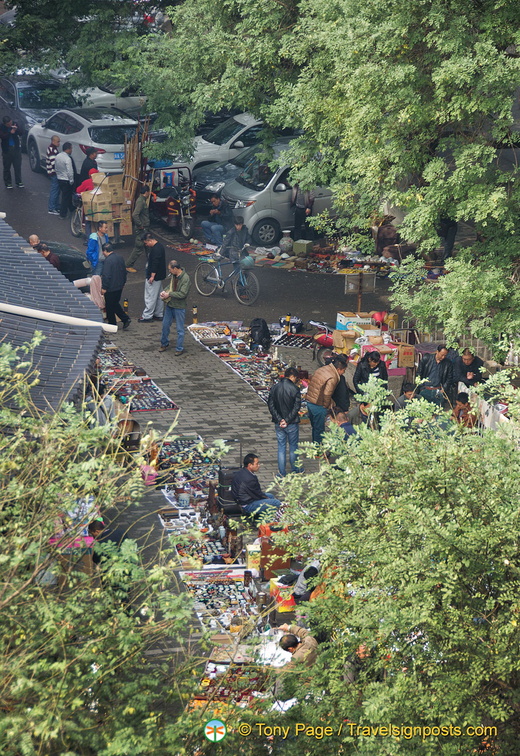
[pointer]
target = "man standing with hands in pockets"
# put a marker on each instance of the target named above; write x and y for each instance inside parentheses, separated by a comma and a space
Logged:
(155, 274)
(284, 405)
(175, 299)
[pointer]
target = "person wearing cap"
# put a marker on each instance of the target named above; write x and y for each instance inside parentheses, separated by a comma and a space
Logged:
(88, 184)
(88, 163)
(319, 394)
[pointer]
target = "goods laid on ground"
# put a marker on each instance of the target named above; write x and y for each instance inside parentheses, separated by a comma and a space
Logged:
(312, 258)
(142, 394)
(229, 341)
(130, 384)
(295, 340)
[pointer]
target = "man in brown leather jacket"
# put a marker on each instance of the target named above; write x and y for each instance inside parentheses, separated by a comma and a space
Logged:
(304, 649)
(319, 394)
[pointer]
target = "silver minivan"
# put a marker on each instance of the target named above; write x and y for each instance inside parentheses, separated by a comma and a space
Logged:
(262, 196)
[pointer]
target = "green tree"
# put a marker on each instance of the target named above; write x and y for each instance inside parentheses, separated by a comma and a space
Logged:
(417, 528)
(406, 103)
(76, 677)
(409, 104)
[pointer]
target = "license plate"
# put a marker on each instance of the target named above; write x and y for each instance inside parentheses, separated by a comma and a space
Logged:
(119, 155)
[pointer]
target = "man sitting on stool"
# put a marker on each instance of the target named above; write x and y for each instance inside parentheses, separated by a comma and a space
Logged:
(246, 490)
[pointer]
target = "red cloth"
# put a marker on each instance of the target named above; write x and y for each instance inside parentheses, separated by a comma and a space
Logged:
(85, 186)
(88, 184)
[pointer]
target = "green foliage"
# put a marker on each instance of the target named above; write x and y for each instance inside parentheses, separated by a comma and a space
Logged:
(82, 665)
(409, 105)
(418, 537)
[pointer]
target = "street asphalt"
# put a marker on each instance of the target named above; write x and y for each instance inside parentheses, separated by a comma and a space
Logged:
(213, 400)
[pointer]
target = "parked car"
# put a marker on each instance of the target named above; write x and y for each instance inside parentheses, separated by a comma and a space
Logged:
(211, 179)
(28, 100)
(101, 97)
(129, 100)
(102, 128)
(262, 196)
(74, 263)
(226, 141)
(212, 120)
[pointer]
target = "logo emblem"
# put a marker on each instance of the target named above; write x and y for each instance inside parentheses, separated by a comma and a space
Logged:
(215, 730)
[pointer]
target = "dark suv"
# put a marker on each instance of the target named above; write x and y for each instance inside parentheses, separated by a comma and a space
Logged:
(28, 100)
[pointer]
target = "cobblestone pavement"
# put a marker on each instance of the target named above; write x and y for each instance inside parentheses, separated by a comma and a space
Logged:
(213, 400)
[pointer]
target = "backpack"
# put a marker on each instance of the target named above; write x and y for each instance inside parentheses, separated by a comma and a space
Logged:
(260, 333)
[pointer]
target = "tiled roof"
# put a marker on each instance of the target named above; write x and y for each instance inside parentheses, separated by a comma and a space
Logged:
(28, 280)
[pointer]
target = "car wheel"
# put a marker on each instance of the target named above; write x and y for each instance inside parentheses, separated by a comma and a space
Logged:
(266, 232)
(34, 157)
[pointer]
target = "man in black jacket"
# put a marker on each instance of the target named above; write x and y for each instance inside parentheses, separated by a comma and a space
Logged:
(88, 164)
(246, 490)
(370, 364)
(467, 369)
(235, 240)
(11, 152)
(284, 405)
(113, 280)
(436, 371)
(155, 275)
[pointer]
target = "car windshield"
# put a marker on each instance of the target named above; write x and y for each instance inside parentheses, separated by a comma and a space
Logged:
(243, 158)
(256, 174)
(224, 132)
(45, 96)
(111, 134)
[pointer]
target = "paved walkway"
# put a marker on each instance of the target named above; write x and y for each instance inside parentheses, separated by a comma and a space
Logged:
(214, 401)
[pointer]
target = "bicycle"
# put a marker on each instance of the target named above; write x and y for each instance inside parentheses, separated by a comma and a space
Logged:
(77, 218)
(209, 278)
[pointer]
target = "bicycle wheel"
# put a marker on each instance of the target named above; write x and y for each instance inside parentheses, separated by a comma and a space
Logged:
(246, 287)
(206, 279)
(76, 222)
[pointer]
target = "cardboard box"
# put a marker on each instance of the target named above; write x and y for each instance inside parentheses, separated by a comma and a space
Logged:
(302, 247)
(253, 552)
(343, 319)
(117, 210)
(117, 194)
(127, 195)
(96, 202)
(125, 228)
(99, 215)
(110, 229)
(406, 357)
(108, 180)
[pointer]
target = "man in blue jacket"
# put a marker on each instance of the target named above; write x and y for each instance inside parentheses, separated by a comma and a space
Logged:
(96, 241)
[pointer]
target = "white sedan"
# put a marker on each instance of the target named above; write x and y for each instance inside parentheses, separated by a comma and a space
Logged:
(99, 97)
(102, 128)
